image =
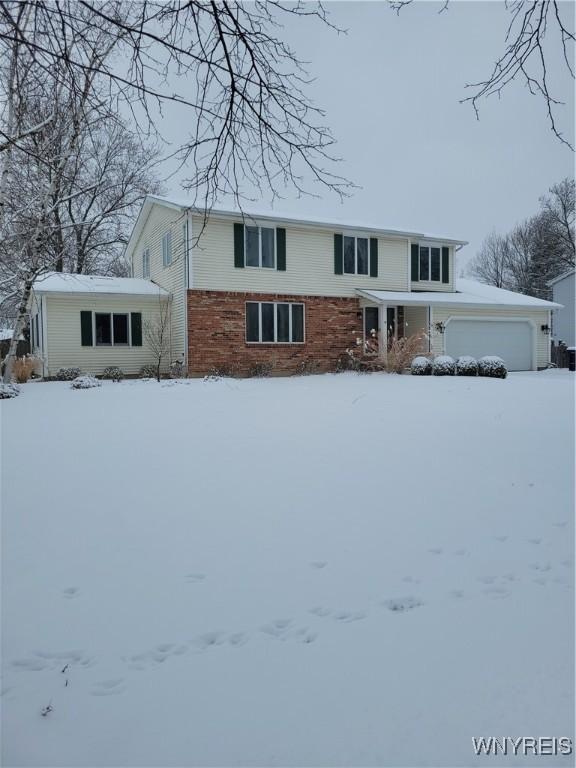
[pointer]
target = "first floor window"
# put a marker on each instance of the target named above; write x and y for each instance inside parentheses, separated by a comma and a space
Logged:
(111, 329)
(120, 329)
(260, 247)
(274, 322)
(355, 255)
(103, 325)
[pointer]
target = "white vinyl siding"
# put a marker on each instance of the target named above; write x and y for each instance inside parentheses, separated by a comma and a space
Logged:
(172, 278)
(309, 264)
(437, 285)
(538, 317)
(64, 345)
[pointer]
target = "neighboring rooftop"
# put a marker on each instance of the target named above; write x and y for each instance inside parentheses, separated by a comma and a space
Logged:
(468, 292)
(64, 282)
(563, 276)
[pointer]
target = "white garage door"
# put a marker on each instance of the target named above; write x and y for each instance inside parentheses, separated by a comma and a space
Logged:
(510, 340)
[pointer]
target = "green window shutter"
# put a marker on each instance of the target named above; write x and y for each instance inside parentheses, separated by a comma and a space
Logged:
(238, 245)
(281, 249)
(136, 324)
(338, 255)
(445, 265)
(373, 257)
(86, 328)
(415, 253)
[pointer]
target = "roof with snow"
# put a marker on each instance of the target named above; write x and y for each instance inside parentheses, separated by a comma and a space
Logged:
(563, 276)
(63, 282)
(468, 293)
(339, 224)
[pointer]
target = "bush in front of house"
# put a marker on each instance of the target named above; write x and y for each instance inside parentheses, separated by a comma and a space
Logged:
(85, 382)
(421, 366)
(67, 374)
(493, 367)
(148, 372)
(9, 390)
(443, 365)
(112, 373)
(23, 368)
(260, 370)
(466, 366)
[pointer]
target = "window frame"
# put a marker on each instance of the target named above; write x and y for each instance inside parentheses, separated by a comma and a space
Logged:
(356, 237)
(112, 342)
(429, 245)
(290, 324)
(167, 251)
(146, 263)
(260, 227)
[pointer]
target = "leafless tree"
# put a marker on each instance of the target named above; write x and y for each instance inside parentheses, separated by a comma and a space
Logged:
(536, 32)
(535, 251)
(157, 335)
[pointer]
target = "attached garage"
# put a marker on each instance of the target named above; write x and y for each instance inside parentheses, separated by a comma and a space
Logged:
(512, 340)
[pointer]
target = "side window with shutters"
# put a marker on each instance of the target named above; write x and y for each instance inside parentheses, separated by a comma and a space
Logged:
(261, 247)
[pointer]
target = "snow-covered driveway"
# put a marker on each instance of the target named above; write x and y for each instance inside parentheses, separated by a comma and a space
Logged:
(350, 570)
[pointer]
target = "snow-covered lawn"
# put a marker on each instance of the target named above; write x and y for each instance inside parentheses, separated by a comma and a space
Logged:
(350, 570)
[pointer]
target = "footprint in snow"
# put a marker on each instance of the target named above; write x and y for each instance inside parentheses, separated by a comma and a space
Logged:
(318, 564)
(461, 551)
(209, 640)
(458, 594)
(486, 579)
(401, 604)
(540, 566)
(411, 580)
(349, 616)
(540, 580)
(194, 578)
(535, 541)
(320, 611)
(109, 687)
(501, 539)
(496, 592)
(238, 638)
(70, 593)
(435, 550)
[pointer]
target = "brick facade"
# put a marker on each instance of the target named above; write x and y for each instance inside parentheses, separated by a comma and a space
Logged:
(217, 333)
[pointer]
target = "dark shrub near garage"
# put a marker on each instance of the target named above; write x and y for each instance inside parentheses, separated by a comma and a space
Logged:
(492, 367)
(443, 365)
(466, 366)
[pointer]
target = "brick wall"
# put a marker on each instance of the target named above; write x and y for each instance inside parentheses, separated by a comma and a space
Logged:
(217, 333)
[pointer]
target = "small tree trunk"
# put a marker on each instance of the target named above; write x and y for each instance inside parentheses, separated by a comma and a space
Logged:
(18, 328)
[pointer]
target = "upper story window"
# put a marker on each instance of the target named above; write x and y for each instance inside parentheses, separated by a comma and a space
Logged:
(146, 263)
(260, 247)
(430, 263)
(167, 249)
(355, 255)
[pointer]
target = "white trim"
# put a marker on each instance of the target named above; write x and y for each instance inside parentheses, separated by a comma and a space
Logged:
(477, 319)
(275, 304)
(44, 317)
(561, 277)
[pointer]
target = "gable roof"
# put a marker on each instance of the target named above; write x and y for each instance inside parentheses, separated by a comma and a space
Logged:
(64, 282)
(181, 204)
(563, 276)
(468, 293)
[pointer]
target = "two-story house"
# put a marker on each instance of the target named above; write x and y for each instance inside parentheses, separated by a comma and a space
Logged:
(246, 289)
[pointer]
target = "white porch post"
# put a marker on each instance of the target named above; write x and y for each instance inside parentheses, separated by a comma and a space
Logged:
(383, 331)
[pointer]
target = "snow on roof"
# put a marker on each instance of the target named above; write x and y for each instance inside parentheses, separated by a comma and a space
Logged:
(338, 223)
(62, 282)
(468, 293)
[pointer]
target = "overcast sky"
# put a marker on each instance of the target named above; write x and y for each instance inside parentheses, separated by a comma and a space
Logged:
(391, 88)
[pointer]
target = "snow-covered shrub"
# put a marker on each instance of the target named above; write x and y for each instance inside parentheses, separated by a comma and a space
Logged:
(9, 390)
(85, 382)
(67, 374)
(148, 372)
(443, 365)
(177, 370)
(466, 366)
(23, 368)
(308, 367)
(493, 367)
(113, 373)
(421, 366)
(259, 370)
(402, 351)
